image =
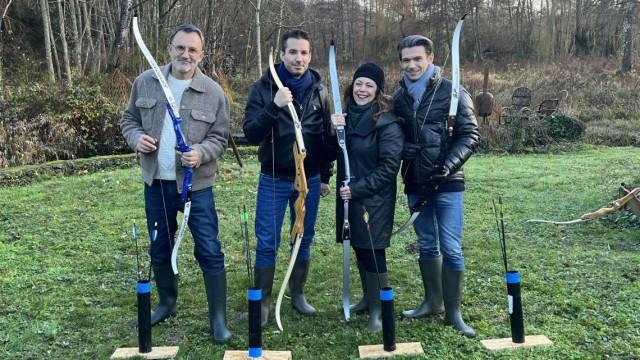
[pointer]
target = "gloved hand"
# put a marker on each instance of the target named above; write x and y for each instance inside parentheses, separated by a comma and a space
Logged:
(410, 151)
(440, 175)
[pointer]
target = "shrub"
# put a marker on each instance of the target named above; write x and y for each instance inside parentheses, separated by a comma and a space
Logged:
(530, 131)
(44, 122)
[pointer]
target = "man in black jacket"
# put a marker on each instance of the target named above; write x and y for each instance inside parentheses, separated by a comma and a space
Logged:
(432, 170)
(267, 122)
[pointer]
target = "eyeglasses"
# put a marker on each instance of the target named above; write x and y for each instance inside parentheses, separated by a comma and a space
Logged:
(181, 49)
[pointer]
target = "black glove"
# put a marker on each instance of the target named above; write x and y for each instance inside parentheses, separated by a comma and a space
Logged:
(410, 151)
(440, 175)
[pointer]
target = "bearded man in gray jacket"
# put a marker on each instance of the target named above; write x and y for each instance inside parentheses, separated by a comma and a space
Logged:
(148, 129)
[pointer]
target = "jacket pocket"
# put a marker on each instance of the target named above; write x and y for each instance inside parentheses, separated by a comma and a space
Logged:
(147, 108)
(199, 125)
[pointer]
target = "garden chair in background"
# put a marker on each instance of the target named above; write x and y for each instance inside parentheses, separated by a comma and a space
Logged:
(549, 106)
(520, 103)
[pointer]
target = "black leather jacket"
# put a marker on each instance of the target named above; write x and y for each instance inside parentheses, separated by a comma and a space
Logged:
(427, 127)
(262, 115)
(374, 159)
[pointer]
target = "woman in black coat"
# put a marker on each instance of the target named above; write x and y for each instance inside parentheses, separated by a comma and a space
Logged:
(374, 141)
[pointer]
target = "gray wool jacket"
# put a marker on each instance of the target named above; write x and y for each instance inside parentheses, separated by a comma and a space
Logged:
(204, 110)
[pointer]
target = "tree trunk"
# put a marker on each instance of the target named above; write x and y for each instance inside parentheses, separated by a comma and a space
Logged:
(627, 30)
(99, 49)
(4, 14)
(86, 33)
(279, 25)
(77, 48)
(121, 36)
(47, 40)
(476, 31)
(258, 48)
(63, 41)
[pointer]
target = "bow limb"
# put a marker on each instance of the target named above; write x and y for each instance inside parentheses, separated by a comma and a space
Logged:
(181, 142)
(455, 75)
(617, 205)
(300, 184)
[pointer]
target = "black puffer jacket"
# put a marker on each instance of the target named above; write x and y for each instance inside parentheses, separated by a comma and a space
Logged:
(374, 151)
(261, 115)
(427, 127)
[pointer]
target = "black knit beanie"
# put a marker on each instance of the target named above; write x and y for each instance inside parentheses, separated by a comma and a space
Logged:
(371, 71)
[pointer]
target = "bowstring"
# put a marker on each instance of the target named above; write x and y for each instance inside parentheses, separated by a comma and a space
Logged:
(166, 217)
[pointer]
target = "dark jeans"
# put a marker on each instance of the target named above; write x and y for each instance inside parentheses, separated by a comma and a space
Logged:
(162, 203)
(273, 197)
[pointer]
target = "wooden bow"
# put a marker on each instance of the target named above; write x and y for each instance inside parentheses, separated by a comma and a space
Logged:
(300, 184)
(615, 206)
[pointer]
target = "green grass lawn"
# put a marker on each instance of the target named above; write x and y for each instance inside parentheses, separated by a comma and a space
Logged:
(67, 267)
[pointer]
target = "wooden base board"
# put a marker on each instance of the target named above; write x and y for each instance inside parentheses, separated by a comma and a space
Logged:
(506, 343)
(157, 352)
(266, 355)
(377, 351)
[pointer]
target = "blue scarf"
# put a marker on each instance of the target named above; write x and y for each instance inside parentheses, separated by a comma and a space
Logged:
(299, 86)
(418, 87)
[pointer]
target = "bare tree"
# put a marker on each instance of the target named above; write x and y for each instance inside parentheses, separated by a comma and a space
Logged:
(4, 14)
(63, 41)
(121, 36)
(46, 21)
(257, 6)
(629, 9)
(75, 35)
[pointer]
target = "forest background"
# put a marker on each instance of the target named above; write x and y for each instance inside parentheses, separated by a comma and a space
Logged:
(67, 65)
(66, 68)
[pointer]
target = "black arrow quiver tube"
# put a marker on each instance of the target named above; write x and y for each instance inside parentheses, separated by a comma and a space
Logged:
(254, 295)
(515, 307)
(388, 320)
(143, 290)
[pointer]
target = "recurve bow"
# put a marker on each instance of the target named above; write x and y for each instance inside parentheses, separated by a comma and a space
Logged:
(300, 184)
(346, 227)
(617, 205)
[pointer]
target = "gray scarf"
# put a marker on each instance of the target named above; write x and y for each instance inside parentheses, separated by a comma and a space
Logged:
(418, 87)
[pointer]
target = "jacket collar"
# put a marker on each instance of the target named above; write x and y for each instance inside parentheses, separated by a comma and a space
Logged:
(197, 82)
(266, 77)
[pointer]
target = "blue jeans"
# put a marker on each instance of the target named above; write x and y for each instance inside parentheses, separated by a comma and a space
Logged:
(439, 228)
(162, 203)
(273, 196)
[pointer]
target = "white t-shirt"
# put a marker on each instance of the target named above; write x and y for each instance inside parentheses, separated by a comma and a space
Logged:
(167, 151)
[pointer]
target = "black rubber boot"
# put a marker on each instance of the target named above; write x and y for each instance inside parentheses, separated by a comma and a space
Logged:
(296, 286)
(216, 286)
(167, 284)
(431, 271)
(452, 286)
(373, 299)
(362, 305)
(264, 280)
